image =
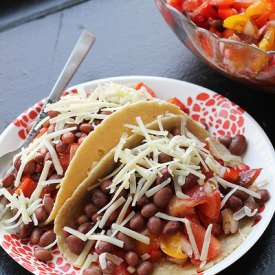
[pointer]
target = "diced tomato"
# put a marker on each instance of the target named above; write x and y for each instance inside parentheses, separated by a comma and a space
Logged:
(242, 167)
(212, 205)
(195, 262)
(27, 186)
(155, 255)
(121, 270)
(74, 91)
(174, 4)
(54, 194)
(213, 30)
(271, 16)
(177, 4)
(219, 3)
(216, 229)
(208, 174)
(149, 90)
(119, 252)
(194, 218)
(41, 133)
(225, 12)
(206, 199)
(227, 33)
(199, 232)
(262, 20)
(142, 248)
(11, 191)
(73, 149)
(231, 174)
(206, 10)
(242, 4)
(64, 161)
(177, 102)
(44, 192)
(183, 207)
(248, 177)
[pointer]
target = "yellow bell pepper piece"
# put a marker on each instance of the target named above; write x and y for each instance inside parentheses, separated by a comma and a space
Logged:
(171, 246)
(268, 41)
(236, 22)
(258, 8)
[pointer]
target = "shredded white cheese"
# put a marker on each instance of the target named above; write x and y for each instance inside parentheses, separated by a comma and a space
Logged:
(124, 210)
(226, 184)
(107, 239)
(76, 233)
(55, 159)
(243, 212)
(158, 187)
(84, 253)
(110, 210)
(137, 236)
(206, 243)
(225, 199)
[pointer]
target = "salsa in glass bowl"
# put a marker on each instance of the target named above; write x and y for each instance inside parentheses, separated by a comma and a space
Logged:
(235, 37)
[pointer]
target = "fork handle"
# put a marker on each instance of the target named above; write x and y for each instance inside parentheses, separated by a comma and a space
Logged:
(81, 49)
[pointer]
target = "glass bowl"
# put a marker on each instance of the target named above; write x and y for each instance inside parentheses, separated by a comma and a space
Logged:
(236, 60)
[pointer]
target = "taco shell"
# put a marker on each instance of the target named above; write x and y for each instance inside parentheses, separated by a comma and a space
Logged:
(103, 139)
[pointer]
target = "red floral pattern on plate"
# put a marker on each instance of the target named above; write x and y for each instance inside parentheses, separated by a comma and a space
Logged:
(220, 115)
(22, 251)
(24, 120)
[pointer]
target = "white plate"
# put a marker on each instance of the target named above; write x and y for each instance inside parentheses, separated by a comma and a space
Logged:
(221, 115)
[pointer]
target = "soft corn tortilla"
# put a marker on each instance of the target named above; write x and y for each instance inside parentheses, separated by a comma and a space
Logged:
(102, 140)
(75, 204)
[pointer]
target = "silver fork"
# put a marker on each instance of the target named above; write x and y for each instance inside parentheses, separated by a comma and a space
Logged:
(82, 47)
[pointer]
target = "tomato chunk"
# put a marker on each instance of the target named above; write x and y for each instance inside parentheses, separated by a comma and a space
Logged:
(248, 177)
(149, 90)
(225, 12)
(121, 270)
(212, 205)
(231, 174)
(27, 186)
(177, 102)
(199, 233)
(142, 248)
(64, 161)
(204, 198)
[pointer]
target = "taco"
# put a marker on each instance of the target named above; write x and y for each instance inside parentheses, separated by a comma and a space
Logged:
(41, 177)
(159, 202)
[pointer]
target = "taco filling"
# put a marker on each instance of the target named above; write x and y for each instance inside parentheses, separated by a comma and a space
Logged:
(168, 203)
(31, 187)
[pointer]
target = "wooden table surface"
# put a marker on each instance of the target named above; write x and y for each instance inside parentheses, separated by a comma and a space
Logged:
(132, 39)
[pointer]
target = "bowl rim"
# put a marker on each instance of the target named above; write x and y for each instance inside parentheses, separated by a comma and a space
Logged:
(224, 40)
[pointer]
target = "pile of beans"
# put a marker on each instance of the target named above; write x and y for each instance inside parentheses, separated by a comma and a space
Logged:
(40, 235)
(144, 219)
(35, 166)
